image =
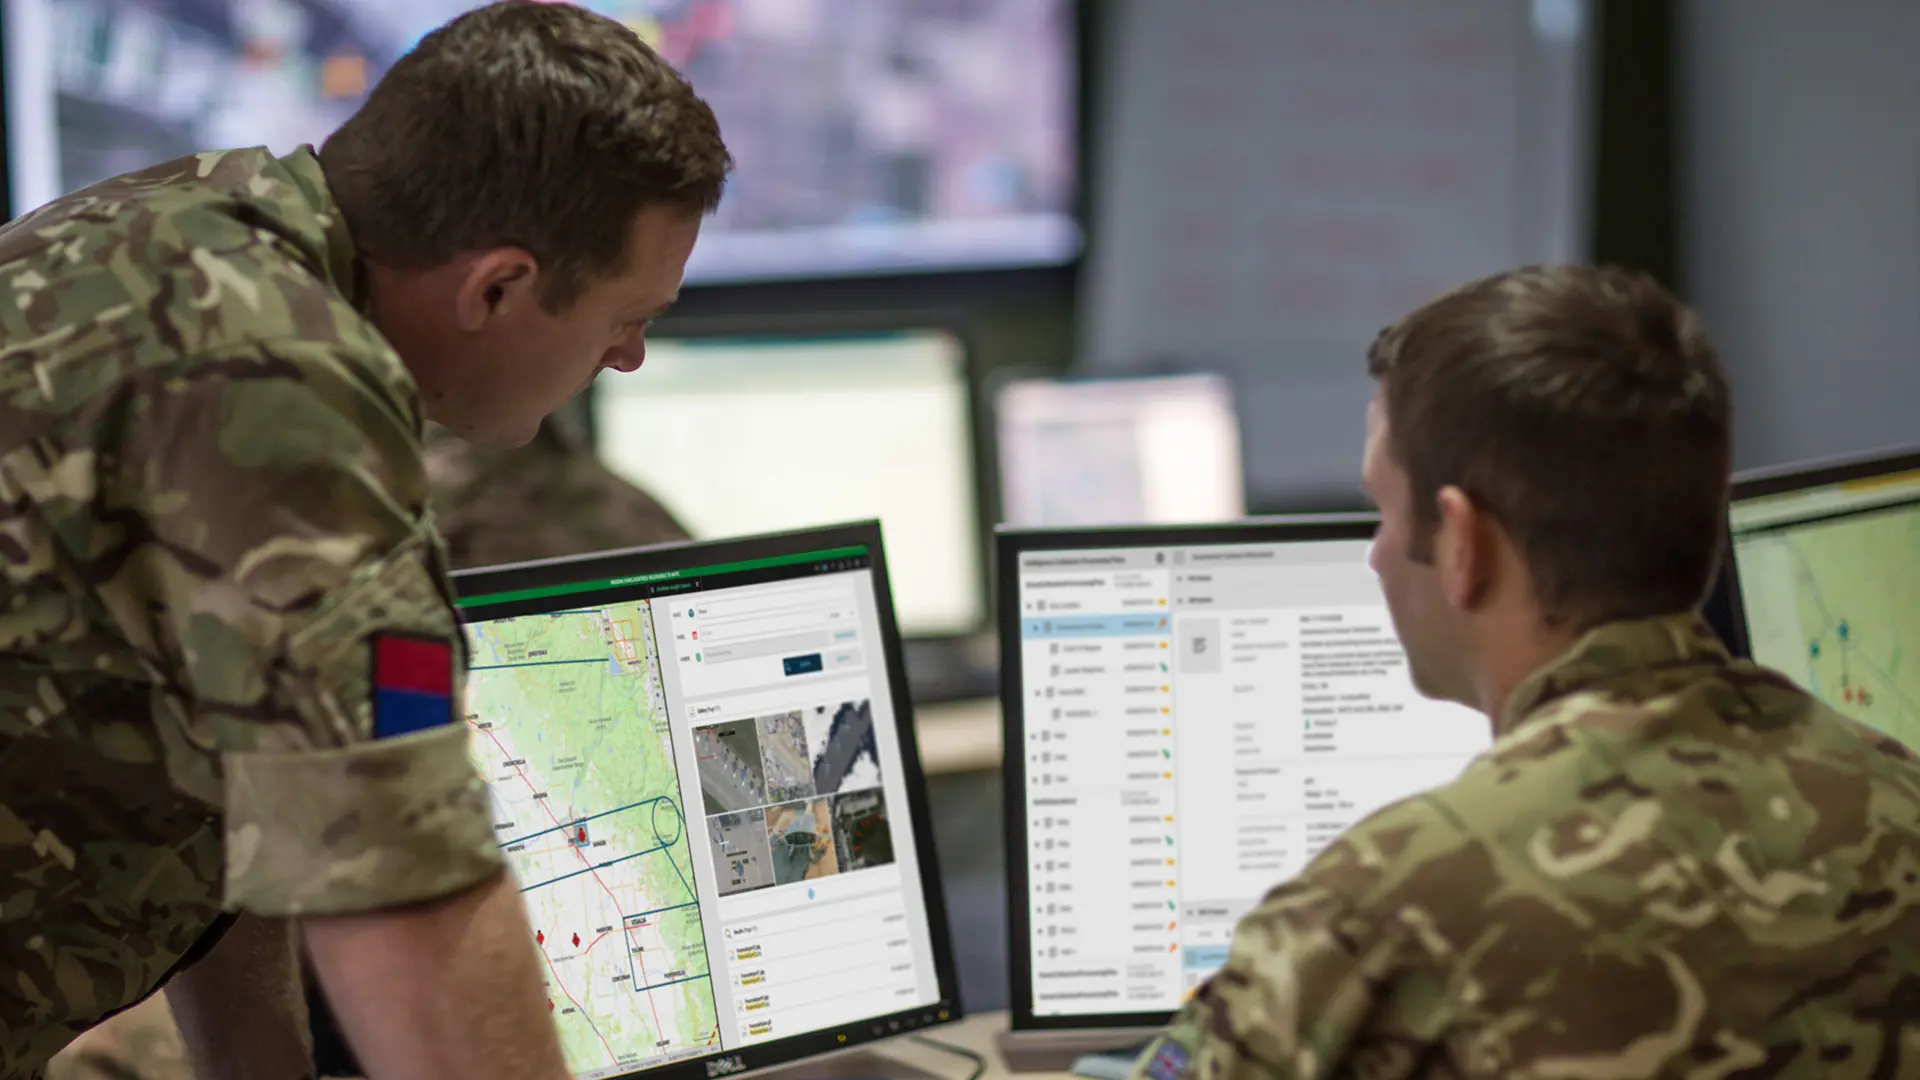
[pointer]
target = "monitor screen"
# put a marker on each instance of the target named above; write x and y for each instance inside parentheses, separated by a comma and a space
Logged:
(744, 435)
(704, 777)
(870, 136)
(1827, 559)
(1157, 449)
(1197, 711)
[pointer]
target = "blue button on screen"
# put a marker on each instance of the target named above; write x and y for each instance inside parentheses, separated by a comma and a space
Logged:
(802, 665)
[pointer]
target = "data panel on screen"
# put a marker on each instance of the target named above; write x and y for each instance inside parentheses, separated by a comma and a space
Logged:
(1830, 586)
(1199, 721)
(928, 137)
(696, 782)
(744, 435)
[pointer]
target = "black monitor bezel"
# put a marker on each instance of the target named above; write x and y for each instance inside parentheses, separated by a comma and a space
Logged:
(683, 555)
(1726, 603)
(1010, 544)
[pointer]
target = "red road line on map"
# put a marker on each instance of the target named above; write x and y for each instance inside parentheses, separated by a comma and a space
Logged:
(595, 1028)
(592, 943)
(640, 959)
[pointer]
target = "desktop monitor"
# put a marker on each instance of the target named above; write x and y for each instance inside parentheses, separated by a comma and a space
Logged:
(704, 776)
(1152, 449)
(1191, 713)
(1826, 558)
(742, 435)
(869, 136)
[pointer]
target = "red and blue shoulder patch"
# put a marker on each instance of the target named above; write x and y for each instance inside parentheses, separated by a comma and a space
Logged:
(412, 684)
(1169, 1061)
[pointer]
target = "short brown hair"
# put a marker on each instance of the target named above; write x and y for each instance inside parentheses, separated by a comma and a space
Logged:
(540, 125)
(1583, 408)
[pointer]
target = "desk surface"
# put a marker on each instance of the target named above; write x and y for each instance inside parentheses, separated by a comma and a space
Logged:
(982, 1033)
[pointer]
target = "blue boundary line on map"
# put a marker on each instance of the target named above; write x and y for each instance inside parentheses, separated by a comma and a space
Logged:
(591, 869)
(675, 982)
(534, 663)
(591, 817)
(668, 848)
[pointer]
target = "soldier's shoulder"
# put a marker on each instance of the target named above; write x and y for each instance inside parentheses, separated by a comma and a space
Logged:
(184, 263)
(1649, 760)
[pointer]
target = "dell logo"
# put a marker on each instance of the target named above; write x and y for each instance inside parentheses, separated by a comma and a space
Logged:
(725, 1066)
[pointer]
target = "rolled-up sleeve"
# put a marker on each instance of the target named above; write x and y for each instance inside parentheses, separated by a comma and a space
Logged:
(279, 574)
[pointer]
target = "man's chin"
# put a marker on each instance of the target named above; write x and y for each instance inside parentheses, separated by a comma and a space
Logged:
(512, 438)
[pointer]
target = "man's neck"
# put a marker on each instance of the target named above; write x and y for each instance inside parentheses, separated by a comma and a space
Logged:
(1511, 650)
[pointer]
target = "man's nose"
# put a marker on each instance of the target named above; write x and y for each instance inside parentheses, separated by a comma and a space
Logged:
(626, 358)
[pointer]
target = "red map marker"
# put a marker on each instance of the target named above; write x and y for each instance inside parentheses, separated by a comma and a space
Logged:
(540, 938)
(576, 941)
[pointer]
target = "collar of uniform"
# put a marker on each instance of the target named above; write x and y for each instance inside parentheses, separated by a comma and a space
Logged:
(1612, 652)
(345, 272)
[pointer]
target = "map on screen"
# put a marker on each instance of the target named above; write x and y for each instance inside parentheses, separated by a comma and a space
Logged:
(1830, 583)
(570, 725)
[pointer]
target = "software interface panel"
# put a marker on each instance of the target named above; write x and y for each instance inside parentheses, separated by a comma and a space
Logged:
(1200, 722)
(697, 783)
(1830, 583)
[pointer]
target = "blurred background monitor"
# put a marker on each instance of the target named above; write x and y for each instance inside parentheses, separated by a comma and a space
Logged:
(740, 435)
(871, 136)
(1827, 559)
(1152, 450)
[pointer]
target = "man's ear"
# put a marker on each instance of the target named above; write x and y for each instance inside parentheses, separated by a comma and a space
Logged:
(1463, 554)
(494, 284)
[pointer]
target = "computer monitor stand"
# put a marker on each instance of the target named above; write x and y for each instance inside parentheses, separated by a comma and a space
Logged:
(1056, 1051)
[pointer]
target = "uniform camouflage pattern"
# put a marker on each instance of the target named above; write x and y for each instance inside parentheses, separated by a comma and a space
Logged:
(211, 492)
(545, 500)
(1669, 864)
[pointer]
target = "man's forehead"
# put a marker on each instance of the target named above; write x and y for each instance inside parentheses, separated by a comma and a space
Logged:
(1376, 463)
(1376, 422)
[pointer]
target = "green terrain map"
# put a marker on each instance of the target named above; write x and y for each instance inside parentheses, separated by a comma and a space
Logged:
(1836, 606)
(570, 732)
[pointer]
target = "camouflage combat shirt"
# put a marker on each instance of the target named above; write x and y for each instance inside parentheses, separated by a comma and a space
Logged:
(548, 499)
(213, 508)
(1668, 864)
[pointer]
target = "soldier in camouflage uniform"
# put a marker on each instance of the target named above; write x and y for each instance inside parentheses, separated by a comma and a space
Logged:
(1670, 863)
(229, 667)
(550, 498)
(492, 505)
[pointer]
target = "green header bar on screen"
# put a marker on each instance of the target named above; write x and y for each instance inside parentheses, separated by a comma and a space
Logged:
(664, 575)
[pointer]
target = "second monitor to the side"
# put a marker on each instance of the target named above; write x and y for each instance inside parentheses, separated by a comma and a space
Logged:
(1147, 449)
(1191, 713)
(740, 435)
(1826, 581)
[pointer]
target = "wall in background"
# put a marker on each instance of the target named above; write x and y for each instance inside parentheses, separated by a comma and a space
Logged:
(1799, 171)
(1279, 179)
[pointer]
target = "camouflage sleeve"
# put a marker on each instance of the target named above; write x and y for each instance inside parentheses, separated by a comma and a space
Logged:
(259, 536)
(1302, 986)
(1337, 972)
